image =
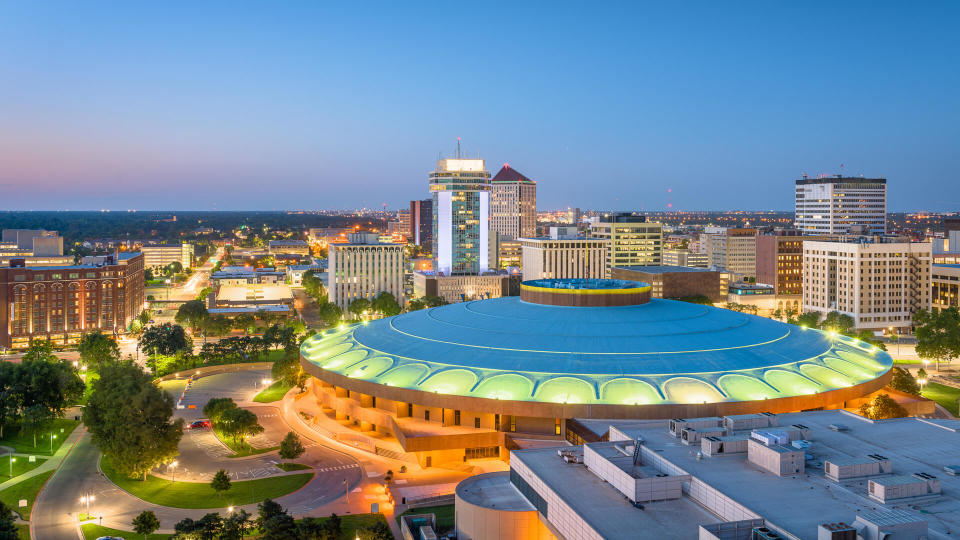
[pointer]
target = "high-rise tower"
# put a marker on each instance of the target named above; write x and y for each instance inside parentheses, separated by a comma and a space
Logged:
(513, 204)
(835, 204)
(461, 215)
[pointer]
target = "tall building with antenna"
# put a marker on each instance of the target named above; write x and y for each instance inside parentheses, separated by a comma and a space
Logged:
(461, 215)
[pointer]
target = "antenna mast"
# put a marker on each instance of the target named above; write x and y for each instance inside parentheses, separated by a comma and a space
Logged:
(458, 147)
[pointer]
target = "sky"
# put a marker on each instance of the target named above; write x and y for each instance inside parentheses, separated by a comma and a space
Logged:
(620, 106)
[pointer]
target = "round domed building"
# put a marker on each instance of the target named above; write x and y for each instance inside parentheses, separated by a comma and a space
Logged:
(453, 382)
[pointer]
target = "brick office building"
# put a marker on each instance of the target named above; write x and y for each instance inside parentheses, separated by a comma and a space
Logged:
(61, 303)
(677, 281)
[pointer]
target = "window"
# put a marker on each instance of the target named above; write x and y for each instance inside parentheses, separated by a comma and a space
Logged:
(426, 416)
(479, 453)
(556, 427)
(476, 423)
(513, 423)
(409, 409)
(456, 417)
(496, 422)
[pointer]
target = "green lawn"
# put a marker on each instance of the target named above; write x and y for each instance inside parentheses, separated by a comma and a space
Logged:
(444, 515)
(944, 395)
(22, 439)
(243, 449)
(23, 532)
(27, 489)
(900, 361)
(92, 532)
(21, 464)
(201, 495)
(293, 466)
(274, 392)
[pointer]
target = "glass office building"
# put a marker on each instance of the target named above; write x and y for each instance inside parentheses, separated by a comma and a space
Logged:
(461, 216)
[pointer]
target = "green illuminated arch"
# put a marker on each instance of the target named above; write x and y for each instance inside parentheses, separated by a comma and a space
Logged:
(745, 388)
(566, 390)
(690, 390)
(629, 392)
(451, 381)
(506, 386)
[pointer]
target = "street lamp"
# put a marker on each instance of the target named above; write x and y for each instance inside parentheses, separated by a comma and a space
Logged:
(173, 470)
(87, 499)
(922, 382)
(12, 461)
(52, 437)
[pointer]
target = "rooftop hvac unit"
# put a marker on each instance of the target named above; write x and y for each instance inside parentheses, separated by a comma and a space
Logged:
(952, 470)
(838, 427)
(763, 533)
(836, 531)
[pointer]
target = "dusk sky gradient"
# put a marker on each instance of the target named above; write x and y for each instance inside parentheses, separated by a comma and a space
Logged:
(312, 105)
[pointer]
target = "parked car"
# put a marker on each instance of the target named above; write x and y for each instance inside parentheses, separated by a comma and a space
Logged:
(199, 424)
(151, 321)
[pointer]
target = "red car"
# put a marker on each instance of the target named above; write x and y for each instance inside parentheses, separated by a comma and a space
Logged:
(198, 424)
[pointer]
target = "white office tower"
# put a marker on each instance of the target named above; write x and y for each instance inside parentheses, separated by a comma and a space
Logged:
(842, 205)
(461, 216)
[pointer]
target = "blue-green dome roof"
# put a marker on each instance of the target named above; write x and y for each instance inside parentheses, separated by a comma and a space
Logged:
(659, 352)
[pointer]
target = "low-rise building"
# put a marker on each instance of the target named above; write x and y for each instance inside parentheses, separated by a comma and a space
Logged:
(467, 287)
(946, 285)
(564, 254)
(161, 255)
(643, 480)
(288, 247)
(685, 257)
(676, 281)
(295, 272)
(633, 240)
(61, 303)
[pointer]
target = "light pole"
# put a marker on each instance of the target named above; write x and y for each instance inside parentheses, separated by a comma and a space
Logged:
(922, 382)
(52, 437)
(173, 471)
(12, 461)
(346, 487)
(87, 499)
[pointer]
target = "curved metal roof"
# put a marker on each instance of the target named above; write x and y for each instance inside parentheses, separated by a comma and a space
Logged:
(660, 352)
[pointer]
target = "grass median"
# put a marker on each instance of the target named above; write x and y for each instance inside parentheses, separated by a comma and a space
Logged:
(25, 490)
(274, 392)
(241, 449)
(199, 494)
(21, 464)
(944, 395)
(21, 440)
(92, 532)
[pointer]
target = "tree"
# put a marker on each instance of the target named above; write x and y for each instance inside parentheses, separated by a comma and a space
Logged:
(358, 307)
(838, 322)
(245, 322)
(204, 293)
(938, 334)
(239, 424)
(8, 527)
(145, 523)
(386, 304)
(53, 384)
(378, 531)
(313, 285)
(10, 397)
(810, 319)
(291, 447)
(266, 510)
(39, 350)
(217, 325)
(882, 407)
(131, 420)
(173, 268)
(209, 527)
(330, 313)
(921, 373)
(97, 349)
(166, 339)
(220, 482)
(904, 382)
(36, 418)
(275, 523)
(236, 525)
(192, 313)
(215, 408)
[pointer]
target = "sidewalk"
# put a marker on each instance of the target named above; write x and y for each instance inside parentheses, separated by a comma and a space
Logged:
(51, 463)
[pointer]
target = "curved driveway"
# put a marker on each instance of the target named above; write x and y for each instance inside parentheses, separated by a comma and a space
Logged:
(55, 513)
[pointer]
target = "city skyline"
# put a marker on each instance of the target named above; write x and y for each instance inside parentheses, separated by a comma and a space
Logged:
(299, 106)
